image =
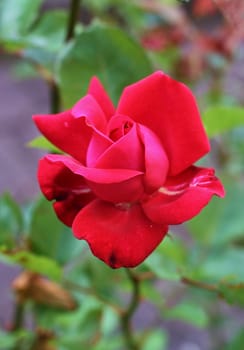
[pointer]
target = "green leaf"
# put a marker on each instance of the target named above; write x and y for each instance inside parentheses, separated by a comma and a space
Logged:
(220, 119)
(203, 226)
(41, 57)
(7, 340)
(189, 313)
(152, 294)
(42, 44)
(49, 237)
(16, 17)
(237, 342)
(42, 143)
(24, 70)
(49, 32)
(103, 51)
(232, 292)
(168, 260)
(109, 321)
(115, 342)
(11, 221)
(221, 222)
(33, 262)
(155, 340)
(221, 264)
(230, 225)
(10, 341)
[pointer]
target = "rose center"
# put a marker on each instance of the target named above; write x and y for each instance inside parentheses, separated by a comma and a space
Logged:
(121, 130)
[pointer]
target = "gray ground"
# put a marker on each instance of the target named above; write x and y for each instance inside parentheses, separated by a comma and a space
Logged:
(18, 101)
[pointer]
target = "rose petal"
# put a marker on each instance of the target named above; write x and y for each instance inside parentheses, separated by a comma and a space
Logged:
(97, 146)
(103, 176)
(169, 109)
(125, 191)
(98, 92)
(126, 153)
(121, 237)
(88, 107)
(70, 191)
(118, 126)
(67, 133)
(183, 197)
(156, 161)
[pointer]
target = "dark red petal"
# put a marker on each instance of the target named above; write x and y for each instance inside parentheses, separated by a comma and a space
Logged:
(88, 107)
(70, 191)
(104, 176)
(120, 236)
(169, 109)
(183, 196)
(156, 161)
(98, 92)
(125, 191)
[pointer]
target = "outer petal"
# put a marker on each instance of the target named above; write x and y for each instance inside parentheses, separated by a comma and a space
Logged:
(183, 197)
(72, 131)
(69, 190)
(67, 133)
(98, 92)
(126, 191)
(168, 108)
(121, 237)
(156, 161)
(103, 176)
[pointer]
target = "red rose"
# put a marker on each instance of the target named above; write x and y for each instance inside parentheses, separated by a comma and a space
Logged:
(129, 171)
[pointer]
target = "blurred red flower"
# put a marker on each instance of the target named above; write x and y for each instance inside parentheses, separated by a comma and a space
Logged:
(128, 172)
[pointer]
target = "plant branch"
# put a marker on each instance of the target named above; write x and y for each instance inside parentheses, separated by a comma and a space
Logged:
(129, 311)
(54, 97)
(18, 315)
(73, 17)
(55, 100)
(202, 285)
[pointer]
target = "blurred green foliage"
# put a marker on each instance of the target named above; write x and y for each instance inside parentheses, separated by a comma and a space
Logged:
(207, 256)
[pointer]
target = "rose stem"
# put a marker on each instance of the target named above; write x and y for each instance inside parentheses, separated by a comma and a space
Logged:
(206, 286)
(128, 313)
(18, 320)
(55, 100)
(73, 17)
(18, 315)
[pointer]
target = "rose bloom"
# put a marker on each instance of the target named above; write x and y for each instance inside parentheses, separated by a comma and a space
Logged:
(127, 172)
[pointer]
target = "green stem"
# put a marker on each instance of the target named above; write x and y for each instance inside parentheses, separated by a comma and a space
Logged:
(202, 285)
(55, 101)
(73, 16)
(18, 321)
(18, 316)
(129, 312)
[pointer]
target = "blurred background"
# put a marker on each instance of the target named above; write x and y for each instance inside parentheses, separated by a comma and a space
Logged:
(200, 42)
